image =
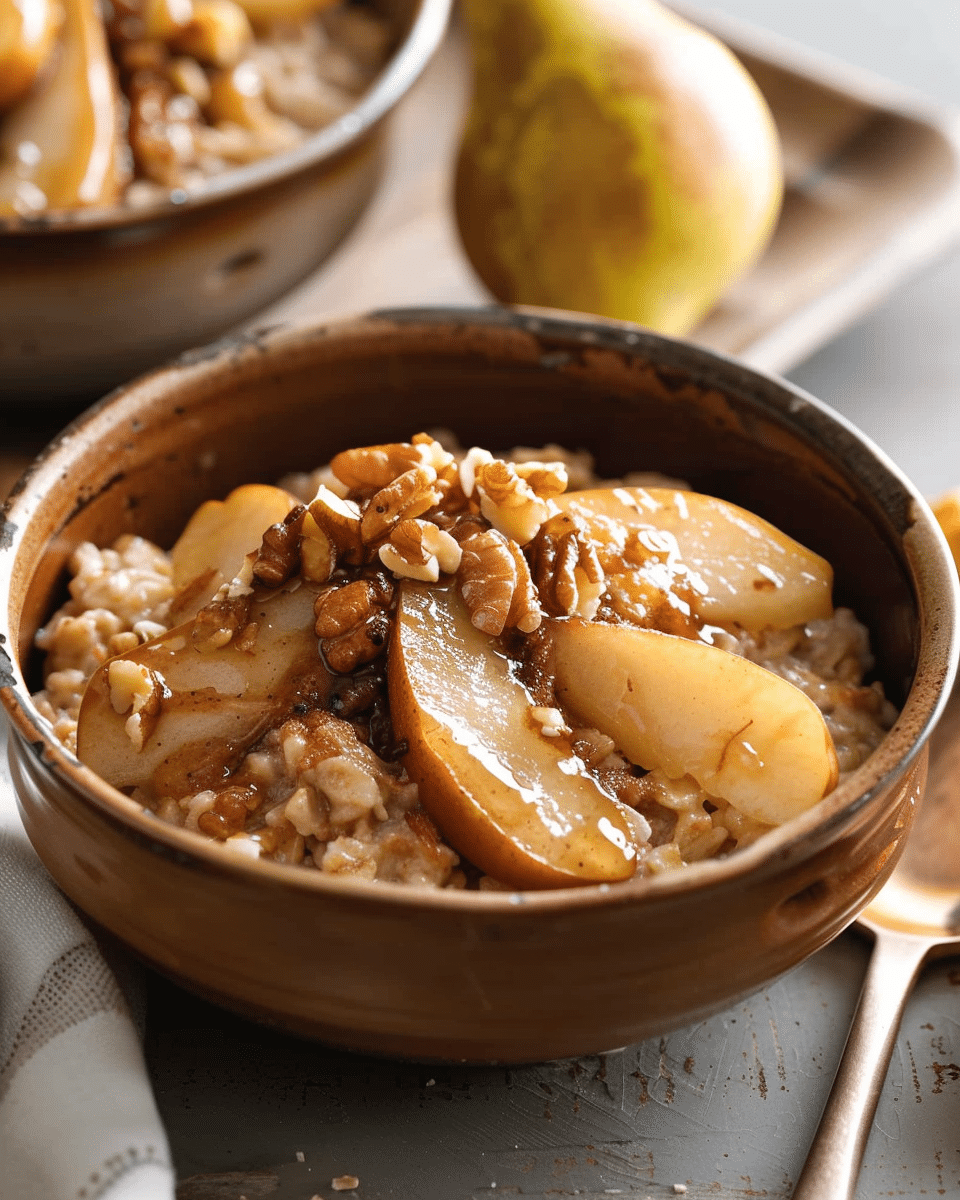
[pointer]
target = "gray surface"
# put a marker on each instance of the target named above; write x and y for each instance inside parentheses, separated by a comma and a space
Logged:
(897, 373)
(725, 1108)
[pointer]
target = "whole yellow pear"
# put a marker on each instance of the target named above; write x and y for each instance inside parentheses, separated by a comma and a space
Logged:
(616, 160)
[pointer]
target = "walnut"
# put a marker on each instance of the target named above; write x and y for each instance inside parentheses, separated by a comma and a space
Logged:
(217, 35)
(546, 479)
(339, 521)
(163, 129)
(136, 689)
(509, 502)
(495, 583)
(565, 568)
(474, 460)
(318, 554)
(278, 558)
(370, 468)
(352, 622)
(409, 495)
(550, 721)
(221, 621)
(420, 550)
(434, 454)
(228, 813)
(525, 612)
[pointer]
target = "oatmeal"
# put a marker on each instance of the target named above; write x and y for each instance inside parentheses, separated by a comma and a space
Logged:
(125, 101)
(441, 667)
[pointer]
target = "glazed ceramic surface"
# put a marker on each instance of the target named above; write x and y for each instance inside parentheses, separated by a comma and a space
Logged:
(455, 975)
(90, 301)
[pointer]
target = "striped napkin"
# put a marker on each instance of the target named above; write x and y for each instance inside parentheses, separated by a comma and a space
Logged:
(77, 1116)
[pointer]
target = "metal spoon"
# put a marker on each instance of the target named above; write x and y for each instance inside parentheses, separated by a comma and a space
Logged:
(915, 917)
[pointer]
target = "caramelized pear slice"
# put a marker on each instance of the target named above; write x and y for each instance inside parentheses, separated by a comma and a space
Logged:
(174, 715)
(60, 147)
(218, 537)
(28, 31)
(730, 565)
(520, 806)
(687, 708)
(269, 12)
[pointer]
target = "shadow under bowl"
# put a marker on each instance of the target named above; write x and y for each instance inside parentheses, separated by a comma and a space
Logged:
(454, 975)
(89, 300)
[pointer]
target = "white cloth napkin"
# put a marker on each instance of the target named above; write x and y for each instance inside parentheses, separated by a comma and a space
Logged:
(78, 1119)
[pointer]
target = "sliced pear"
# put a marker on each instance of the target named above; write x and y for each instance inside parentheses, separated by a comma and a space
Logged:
(60, 147)
(686, 708)
(730, 565)
(208, 705)
(520, 806)
(28, 31)
(221, 533)
(269, 12)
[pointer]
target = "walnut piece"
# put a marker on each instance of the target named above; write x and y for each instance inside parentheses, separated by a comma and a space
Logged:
(221, 621)
(278, 558)
(339, 521)
(509, 502)
(420, 550)
(136, 689)
(407, 496)
(495, 584)
(370, 468)
(565, 569)
(353, 622)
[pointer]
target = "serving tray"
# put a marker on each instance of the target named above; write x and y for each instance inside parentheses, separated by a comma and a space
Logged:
(872, 194)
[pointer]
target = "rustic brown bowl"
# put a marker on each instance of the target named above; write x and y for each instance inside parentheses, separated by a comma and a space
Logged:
(455, 975)
(91, 299)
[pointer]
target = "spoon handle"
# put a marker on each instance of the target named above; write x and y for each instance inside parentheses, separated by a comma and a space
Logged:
(833, 1162)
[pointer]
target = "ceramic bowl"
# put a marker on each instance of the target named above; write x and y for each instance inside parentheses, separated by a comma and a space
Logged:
(480, 977)
(93, 299)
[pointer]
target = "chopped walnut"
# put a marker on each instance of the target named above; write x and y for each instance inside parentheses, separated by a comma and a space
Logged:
(547, 479)
(318, 553)
(509, 502)
(407, 496)
(565, 568)
(278, 558)
(163, 127)
(221, 621)
(352, 622)
(370, 468)
(339, 520)
(495, 584)
(420, 550)
(137, 688)
(227, 815)
(550, 720)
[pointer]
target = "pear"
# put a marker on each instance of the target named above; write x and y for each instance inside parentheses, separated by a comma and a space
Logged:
(218, 537)
(683, 707)
(28, 31)
(174, 715)
(516, 803)
(267, 12)
(728, 565)
(616, 160)
(60, 146)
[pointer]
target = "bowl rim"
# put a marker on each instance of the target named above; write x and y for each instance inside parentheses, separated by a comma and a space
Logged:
(934, 579)
(405, 65)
